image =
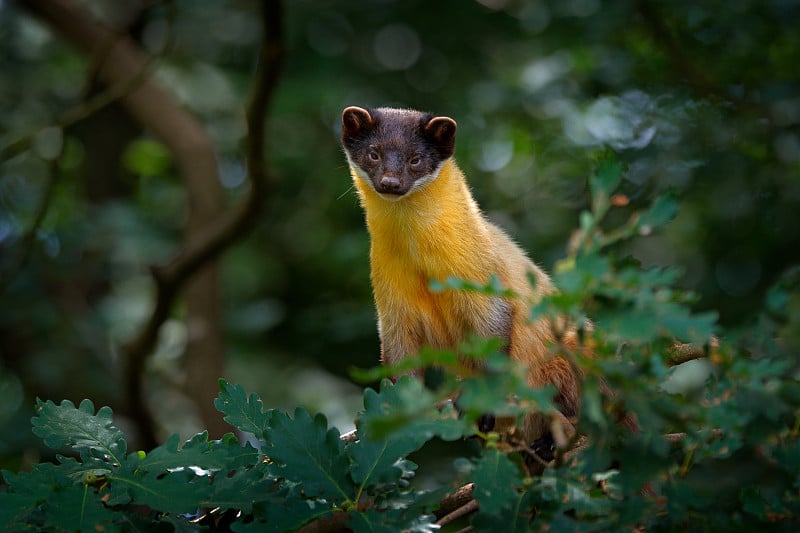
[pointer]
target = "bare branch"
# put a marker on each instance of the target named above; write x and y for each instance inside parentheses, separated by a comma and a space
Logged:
(334, 523)
(350, 436)
(454, 501)
(682, 353)
(681, 62)
(468, 508)
(677, 438)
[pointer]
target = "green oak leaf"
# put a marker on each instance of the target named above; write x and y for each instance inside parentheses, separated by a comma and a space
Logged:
(197, 453)
(306, 451)
(408, 408)
(77, 510)
(177, 492)
(515, 519)
(244, 412)
(282, 512)
(240, 489)
(497, 481)
(90, 434)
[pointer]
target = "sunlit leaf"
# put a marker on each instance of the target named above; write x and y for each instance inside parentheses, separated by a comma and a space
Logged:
(92, 435)
(147, 157)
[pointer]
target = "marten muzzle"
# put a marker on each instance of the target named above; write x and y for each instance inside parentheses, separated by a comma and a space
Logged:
(389, 184)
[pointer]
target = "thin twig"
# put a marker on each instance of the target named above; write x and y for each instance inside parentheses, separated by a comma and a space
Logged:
(350, 436)
(464, 510)
(453, 501)
(682, 353)
(28, 239)
(332, 523)
(663, 37)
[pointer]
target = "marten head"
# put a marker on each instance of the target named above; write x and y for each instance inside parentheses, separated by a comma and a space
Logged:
(396, 151)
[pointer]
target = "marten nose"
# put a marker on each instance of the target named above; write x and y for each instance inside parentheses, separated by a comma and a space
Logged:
(390, 183)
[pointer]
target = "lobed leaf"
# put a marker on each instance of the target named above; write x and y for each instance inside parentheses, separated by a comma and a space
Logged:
(497, 481)
(306, 451)
(408, 408)
(92, 435)
(78, 510)
(178, 479)
(375, 459)
(178, 492)
(246, 413)
(284, 511)
(197, 453)
(515, 519)
(240, 489)
(55, 496)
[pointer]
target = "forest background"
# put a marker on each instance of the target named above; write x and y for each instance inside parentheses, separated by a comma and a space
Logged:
(700, 99)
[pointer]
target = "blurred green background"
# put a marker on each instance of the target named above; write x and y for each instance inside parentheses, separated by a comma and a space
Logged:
(699, 98)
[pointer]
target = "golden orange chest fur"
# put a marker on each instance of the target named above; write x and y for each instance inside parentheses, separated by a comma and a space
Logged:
(429, 235)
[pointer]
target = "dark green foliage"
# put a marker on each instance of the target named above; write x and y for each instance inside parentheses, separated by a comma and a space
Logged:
(497, 483)
(731, 463)
(307, 452)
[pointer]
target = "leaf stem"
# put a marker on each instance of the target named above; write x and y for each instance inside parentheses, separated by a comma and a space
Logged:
(686, 462)
(83, 502)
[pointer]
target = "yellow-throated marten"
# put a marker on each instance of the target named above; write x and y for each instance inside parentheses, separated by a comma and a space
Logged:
(425, 225)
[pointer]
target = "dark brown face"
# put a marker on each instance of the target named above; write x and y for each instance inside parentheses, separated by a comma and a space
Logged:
(396, 150)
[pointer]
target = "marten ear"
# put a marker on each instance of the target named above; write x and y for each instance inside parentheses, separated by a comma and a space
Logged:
(355, 120)
(442, 132)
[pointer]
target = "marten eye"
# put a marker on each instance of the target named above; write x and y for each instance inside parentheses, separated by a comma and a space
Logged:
(373, 155)
(414, 161)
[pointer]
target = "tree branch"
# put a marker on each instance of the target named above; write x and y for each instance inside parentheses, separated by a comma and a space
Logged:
(468, 508)
(193, 150)
(96, 102)
(333, 523)
(663, 37)
(454, 501)
(682, 353)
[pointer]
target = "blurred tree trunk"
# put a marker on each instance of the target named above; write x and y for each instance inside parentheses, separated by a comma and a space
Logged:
(120, 62)
(106, 134)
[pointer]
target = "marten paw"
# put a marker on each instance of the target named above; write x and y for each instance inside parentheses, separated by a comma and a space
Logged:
(486, 423)
(544, 448)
